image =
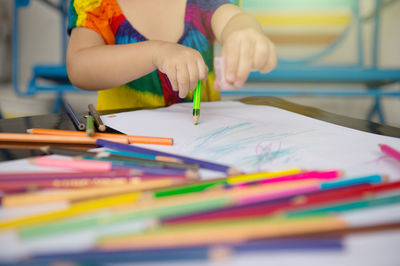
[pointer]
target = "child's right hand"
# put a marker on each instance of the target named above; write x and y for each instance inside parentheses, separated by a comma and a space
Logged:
(184, 66)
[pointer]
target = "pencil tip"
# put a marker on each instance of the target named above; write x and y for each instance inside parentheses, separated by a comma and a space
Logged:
(30, 130)
(192, 175)
(45, 149)
(195, 119)
(233, 172)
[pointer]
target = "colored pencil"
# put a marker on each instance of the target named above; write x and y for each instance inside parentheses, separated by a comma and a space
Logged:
(295, 202)
(389, 151)
(83, 193)
(214, 253)
(144, 156)
(240, 231)
(105, 155)
(131, 138)
(246, 229)
(320, 175)
(346, 206)
(74, 117)
(196, 102)
(74, 209)
(373, 179)
(32, 138)
(93, 112)
(11, 186)
(88, 164)
(202, 164)
(89, 126)
(250, 177)
(168, 207)
(37, 145)
(119, 164)
(232, 232)
(73, 164)
(26, 176)
(207, 184)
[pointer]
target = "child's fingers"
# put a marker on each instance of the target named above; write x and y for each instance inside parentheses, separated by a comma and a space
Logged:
(183, 80)
(173, 79)
(245, 63)
(271, 61)
(193, 75)
(230, 53)
(203, 69)
(261, 56)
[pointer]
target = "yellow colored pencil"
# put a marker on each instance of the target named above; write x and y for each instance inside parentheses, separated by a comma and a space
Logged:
(75, 209)
(233, 180)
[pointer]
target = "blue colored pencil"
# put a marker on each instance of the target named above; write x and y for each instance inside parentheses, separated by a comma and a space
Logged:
(373, 179)
(74, 117)
(203, 164)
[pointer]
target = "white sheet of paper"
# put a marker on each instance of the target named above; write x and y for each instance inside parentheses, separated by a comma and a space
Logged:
(260, 138)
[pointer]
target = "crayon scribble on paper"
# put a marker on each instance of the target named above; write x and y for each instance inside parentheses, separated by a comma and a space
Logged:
(243, 145)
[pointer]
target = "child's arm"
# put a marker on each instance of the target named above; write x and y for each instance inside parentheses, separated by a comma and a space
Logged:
(93, 65)
(244, 45)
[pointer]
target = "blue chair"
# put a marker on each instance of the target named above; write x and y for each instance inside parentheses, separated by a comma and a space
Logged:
(308, 68)
(54, 75)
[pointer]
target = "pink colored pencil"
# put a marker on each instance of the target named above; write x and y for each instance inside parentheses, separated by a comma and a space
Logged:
(80, 165)
(389, 151)
(319, 175)
(26, 176)
(279, 194)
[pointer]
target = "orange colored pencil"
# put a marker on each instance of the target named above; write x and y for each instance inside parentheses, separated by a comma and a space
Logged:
(34, 138)
(132, 139)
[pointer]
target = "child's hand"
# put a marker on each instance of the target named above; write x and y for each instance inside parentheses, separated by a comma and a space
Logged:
(244, 51)
(184, 66)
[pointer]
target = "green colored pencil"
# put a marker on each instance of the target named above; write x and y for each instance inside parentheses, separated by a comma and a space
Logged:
(89, 125)
(348, 206)
(196, 103)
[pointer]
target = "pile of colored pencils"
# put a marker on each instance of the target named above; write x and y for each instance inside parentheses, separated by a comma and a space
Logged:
(130, 204)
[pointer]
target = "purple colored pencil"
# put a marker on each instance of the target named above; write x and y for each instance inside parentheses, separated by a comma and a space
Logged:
(191, 253)
(203, 164)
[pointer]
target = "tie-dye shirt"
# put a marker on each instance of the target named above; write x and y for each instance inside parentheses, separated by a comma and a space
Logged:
(154, 89)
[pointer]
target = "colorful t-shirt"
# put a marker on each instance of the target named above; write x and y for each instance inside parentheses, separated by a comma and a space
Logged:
(154, 89)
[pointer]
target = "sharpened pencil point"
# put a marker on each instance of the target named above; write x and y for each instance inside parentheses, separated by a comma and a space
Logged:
(196, 120)
(233, 172)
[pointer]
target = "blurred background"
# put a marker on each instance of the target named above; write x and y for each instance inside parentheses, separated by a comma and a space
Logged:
(342, 56)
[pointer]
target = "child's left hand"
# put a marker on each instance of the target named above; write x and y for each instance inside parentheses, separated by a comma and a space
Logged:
(244, 51)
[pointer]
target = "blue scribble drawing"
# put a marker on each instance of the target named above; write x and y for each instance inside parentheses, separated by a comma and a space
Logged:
(244, 144)
(266, 151)
(266, 155)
